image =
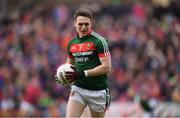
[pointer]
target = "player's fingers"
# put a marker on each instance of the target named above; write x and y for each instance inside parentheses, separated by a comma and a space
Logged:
(70, 80)
(69, 77)
(74, 68)
(68, 73)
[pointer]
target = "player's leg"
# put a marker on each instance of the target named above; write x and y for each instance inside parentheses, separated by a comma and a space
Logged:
(98, 102)
(76, 104)
(97, 114)
(74, 108)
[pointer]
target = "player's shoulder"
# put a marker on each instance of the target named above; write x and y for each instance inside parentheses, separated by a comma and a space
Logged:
(97, 36)
(72, 39)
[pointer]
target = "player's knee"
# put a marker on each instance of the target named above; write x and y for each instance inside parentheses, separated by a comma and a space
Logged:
(97, 114)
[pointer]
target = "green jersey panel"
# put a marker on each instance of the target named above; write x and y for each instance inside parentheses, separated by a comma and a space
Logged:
(86, 52)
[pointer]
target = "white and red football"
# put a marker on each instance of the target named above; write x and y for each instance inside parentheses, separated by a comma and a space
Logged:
(60, 73)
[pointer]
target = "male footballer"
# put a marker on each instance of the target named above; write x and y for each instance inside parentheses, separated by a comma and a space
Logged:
(89, 53)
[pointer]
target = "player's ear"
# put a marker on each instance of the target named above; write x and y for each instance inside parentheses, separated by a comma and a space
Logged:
(91, 23)
(74, 23)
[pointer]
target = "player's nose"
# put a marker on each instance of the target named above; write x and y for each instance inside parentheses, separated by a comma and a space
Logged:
(83, 26)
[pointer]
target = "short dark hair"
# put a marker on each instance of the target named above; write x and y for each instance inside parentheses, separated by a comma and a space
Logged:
(83, 12)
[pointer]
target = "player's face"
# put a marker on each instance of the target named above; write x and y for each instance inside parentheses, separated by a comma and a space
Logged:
(82, 25)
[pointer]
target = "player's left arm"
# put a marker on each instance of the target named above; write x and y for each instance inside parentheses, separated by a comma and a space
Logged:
(104, 68)
(70, 61)
(104, 57)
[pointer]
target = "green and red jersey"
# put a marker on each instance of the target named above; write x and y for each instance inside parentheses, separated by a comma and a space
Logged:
(86, 52)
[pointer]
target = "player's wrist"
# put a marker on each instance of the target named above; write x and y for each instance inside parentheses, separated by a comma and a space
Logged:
(86, 73)
(81, 75)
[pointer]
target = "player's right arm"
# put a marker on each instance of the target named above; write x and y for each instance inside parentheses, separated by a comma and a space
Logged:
(70, 61)
(70, 58)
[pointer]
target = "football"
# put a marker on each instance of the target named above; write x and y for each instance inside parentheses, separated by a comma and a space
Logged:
(61, 73)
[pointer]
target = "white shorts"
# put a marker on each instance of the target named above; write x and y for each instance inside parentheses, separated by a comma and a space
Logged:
(97, 101)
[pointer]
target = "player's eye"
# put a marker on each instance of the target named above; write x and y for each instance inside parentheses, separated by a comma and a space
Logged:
(86, 24)
(81, 24)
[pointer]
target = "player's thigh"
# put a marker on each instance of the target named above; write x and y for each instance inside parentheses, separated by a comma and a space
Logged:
(74, 108)
(97, 114)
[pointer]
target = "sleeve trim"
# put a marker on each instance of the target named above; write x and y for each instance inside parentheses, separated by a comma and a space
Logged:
(103, 54)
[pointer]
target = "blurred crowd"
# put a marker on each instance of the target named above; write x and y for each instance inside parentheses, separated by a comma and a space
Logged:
(145, 54)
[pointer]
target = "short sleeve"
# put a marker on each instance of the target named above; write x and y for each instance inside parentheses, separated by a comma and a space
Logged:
(69, 54)
(102, 47)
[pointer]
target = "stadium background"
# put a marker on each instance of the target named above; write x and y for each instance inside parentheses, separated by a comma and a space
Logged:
(144, 43)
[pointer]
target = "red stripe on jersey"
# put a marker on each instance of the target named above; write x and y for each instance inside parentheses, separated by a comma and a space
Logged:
(103, 54)
(70, 56)
(83, 47)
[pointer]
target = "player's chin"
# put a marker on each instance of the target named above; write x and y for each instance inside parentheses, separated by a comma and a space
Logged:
(82, 34)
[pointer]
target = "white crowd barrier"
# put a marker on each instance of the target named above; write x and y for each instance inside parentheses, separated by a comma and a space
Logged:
(133, 109)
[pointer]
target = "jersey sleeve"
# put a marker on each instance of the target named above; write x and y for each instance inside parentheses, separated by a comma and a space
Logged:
(102, 47)
(69, 54)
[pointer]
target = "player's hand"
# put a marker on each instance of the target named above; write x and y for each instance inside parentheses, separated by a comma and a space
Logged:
(59, 82)
(74, 75)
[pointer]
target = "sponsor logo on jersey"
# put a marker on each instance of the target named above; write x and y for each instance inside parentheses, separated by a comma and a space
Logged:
(82, 53)
(81, 59)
